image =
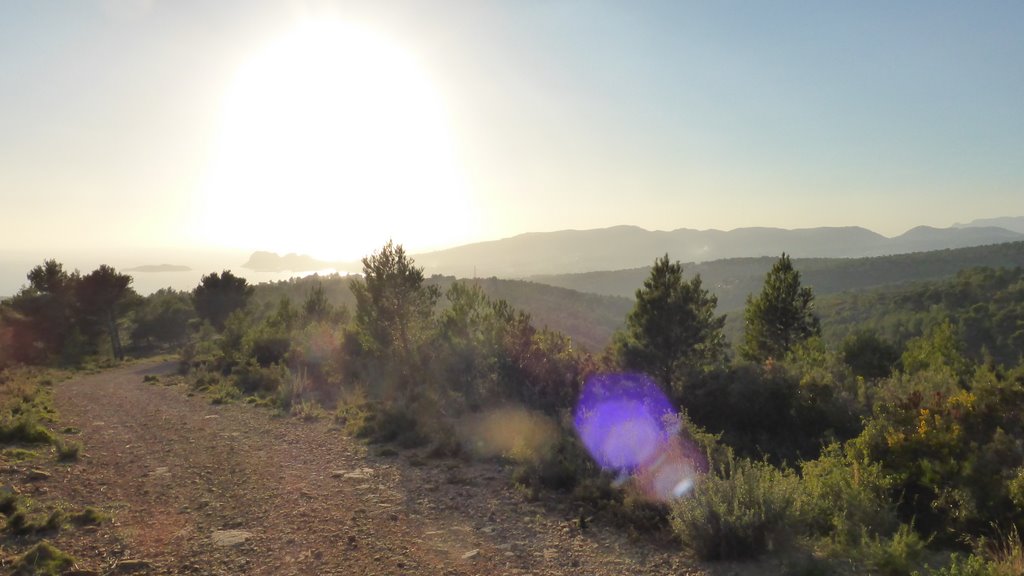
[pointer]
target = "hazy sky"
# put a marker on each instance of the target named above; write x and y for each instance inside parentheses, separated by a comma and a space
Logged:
(326, 127)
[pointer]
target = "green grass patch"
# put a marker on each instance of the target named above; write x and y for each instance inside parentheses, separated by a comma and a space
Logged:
(308, 410)
(89, 516)
(18, 454)
(223, 393)
(43, 559)
(67, 451)
(8, 502)
(23, 428)
(20, 523)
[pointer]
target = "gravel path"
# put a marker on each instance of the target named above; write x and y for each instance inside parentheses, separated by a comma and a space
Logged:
(195, 488)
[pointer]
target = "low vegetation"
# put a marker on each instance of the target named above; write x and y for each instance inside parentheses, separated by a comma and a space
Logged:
(27, 417)
(31, 443)
(884, 433)
(43, 559)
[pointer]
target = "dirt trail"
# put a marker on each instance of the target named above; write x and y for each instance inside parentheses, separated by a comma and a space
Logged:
(180, 475)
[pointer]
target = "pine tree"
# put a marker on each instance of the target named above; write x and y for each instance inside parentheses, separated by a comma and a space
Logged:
(780, 317)
(672, 332)
(393, 312)
(101, 294)
(218, 295)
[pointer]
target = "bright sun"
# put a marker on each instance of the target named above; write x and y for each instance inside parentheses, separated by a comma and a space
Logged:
(333, 140)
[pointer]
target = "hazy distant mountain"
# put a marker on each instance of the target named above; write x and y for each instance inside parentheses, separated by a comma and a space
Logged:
(621, 247)
(1011, 223)
(271, 262)
(924, 238)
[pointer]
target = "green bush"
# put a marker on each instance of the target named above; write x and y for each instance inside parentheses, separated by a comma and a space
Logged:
(843, 498)
(377, 423)
(293, 391)
(24, 427)
(741, 510)
(223, 393)
(268, 346)
(897, 555)
(205, 379)
(251, 378)
(561, 465)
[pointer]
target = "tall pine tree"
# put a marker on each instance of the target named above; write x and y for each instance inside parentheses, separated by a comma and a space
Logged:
(672, 332)
(780, 317)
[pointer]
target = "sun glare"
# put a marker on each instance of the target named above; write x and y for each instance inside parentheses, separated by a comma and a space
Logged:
(333, 139)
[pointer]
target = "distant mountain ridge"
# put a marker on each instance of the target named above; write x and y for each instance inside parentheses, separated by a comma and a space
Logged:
(1011, 223)
(622, 247)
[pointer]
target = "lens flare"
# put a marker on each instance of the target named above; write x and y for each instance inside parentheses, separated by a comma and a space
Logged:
(511, 432)
(629, 427)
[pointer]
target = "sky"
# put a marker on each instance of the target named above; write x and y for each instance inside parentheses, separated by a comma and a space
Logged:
(328, 127)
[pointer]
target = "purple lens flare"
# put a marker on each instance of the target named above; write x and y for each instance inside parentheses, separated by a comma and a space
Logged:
(629, 427)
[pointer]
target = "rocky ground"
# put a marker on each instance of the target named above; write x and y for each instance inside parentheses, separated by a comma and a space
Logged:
(195, 488)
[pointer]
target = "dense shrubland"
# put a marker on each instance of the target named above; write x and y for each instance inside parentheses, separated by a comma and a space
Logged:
(889, 434)
(984, 305)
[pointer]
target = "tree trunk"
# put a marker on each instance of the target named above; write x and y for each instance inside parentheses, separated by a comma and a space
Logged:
(115, 337)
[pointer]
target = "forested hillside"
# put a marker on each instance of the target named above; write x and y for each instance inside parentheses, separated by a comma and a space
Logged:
(731, 280)
(985, 305)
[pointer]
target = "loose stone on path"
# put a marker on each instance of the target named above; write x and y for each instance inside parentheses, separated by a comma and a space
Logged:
(230, 537)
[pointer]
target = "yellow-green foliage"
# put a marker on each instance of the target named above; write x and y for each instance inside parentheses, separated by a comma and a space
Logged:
(843, 498)
(952, 451)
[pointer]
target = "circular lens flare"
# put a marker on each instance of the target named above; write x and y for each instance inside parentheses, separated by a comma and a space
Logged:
(629, 427)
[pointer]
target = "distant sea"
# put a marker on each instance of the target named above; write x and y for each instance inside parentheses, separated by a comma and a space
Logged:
(149, 282)
(15, 267)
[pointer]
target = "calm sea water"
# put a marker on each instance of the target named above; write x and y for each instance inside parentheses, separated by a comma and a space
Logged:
(15, 267)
